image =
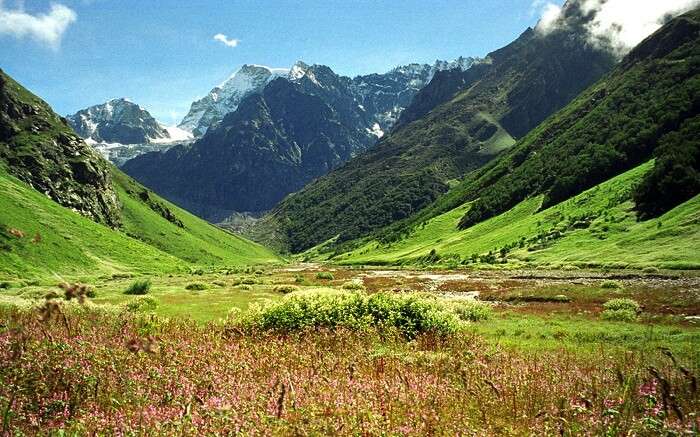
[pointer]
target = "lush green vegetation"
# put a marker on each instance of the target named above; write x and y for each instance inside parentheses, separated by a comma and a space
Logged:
(327, 361)
(40, 238)
(596, 228)
(650, 100)
(409, 314)
(138, 287)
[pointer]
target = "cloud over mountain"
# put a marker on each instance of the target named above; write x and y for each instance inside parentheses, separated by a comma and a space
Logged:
(615, 24)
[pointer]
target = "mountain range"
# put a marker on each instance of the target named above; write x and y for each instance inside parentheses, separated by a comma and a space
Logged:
(120, 130)
(455, 125)
(282, 130)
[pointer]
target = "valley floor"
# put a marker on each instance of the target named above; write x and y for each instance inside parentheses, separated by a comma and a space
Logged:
(171, 361)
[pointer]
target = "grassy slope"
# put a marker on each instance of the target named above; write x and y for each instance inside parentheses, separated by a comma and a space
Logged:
(75, 246)
(199, 242)
(614, 237)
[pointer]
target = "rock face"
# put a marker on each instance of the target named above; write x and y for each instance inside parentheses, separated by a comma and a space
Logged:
(226, 97)
(286, 129)
(39, 147)
(117, 121)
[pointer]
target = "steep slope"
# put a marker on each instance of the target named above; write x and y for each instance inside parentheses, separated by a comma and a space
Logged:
(648, 104)
(296, 128)
(515, 90)
(596, 228)
(39, 147)
(647, 107)
(117, 121)
(39, 237)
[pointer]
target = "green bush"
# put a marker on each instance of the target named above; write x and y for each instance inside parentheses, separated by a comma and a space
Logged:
(299, 279)
(471, 311)
(623, 310)
(353, 285)
(91, 293)
(142, 304)
(611, 285)
(196, 286)
(409, 313)
(325, 275)
(285, 289)
(139, 287)
(5, 285)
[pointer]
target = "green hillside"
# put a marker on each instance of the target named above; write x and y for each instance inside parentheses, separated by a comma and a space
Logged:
(65, 211)
(39, 238)
(596, 228)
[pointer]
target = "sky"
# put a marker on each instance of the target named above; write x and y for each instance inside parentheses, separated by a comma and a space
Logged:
(163, 54)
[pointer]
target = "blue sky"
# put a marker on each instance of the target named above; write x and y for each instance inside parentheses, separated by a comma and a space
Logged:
(162, 54)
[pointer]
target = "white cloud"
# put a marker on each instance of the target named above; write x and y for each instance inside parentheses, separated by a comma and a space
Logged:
(45, 28)
(625, 23)
(228, 42)
(550, 14)
(617, 24)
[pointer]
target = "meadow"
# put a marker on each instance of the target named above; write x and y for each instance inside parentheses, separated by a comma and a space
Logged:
(318, 350)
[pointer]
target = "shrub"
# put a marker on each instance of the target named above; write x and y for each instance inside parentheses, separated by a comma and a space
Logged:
(5, 285)
(325, 275)
(244, 287)
(353, 285)
(299, 279)
(471, 311)
(91, 293)
(410, 313)
(285, 289)
(196, 286)
(611, 285)
(142, 304)
(248, 281)
(623, 310)
(139, 287)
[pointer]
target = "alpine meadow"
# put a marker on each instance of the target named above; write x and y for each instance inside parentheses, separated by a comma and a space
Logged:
(502, 241)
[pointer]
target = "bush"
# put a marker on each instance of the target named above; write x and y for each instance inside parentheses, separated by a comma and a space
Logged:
(142, 304)
(244, 287)
(248, 281)
(325, 275)
(139, 287)
(91, 293)
(5, 285)
(471, 311)
(623, 310)
(353, 285)
(196, 286)
(285, 289)
(299, 279)
(410, 313)
(611, 285)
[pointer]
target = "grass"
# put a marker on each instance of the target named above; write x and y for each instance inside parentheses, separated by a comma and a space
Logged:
(608, 234)
(73, 246)
(126, 373)
(326, 360)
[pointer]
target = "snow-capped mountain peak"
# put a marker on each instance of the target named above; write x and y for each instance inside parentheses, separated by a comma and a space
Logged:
(226, 97)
